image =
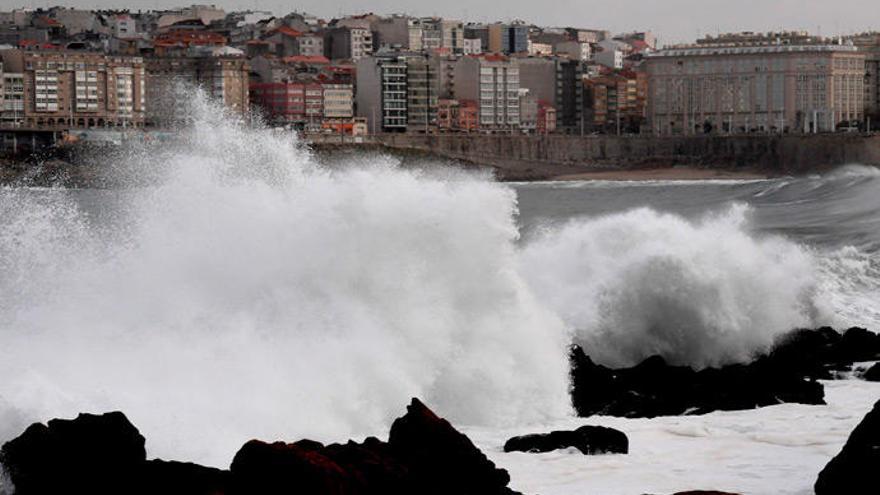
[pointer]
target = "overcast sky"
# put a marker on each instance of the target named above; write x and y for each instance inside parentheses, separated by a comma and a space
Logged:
(672, 20)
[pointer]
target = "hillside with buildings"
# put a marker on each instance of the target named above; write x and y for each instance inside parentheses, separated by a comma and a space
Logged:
(67, 70)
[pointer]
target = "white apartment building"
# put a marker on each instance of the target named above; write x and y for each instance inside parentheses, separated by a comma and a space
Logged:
(492, 81)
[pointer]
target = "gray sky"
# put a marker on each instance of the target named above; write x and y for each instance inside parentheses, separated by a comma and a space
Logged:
(672, 20)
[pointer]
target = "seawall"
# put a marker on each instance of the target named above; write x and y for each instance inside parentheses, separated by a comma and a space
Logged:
(534, 157)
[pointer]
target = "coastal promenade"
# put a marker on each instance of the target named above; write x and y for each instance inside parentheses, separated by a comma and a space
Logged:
(524, 157)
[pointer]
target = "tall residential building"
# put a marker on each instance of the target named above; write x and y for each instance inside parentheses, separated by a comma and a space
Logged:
(431, 29)
(338, 102)
(508, 38)
(223, 78)
(11, 97)
(391, 32)
(382, 93)
(61, 90)
(558, 82)
(478, 34)
(415, 33)
(763, 87)
(423, 92)
(348, 43)
(452, 36)
(493, 82)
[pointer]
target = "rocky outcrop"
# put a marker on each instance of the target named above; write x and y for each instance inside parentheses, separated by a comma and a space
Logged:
(590, 440)
(788, 373)
(105, 454)
(854, 469)
(655, 388)
(90, 454)
(442, 459)
(873, 373)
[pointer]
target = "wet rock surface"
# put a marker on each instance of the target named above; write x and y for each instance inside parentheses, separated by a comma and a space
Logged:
(590, 440)
(105, 454)
(787, 373)
(854, 469)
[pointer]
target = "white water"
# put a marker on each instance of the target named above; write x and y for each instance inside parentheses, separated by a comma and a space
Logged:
(252, 295)
(247, 292)
(776, 450)
(702, 293)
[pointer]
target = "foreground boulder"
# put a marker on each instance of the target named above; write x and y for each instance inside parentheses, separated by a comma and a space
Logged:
(105, 455)
(90, 454)
(854, 469)
(424, 454)
(873, 373)
(590, 440)
(441, 459)
(787, 373)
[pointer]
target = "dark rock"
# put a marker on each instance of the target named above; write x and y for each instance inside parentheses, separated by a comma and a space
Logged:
(281, 468)
(441, 459)
(424, 454)
(854, 469)
(90, 454)
(180, 478)
(590, 440)
(373, 467)
(873, 373)
(105, 454)
(787, 373)
(654, 388)
(858, 344)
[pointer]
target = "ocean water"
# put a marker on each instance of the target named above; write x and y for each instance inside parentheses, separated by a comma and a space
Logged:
(239, 289)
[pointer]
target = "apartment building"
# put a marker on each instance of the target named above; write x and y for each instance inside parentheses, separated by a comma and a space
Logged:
(348, 43)
(493, 82)
(422, 92)
(338, 102)
(382, 92)
(452, 37)
(305, 106)
(557, 81)
(508, 38)
(11, 98)
(62, 89)
(735, 88)
(616, 102)
(222, 77)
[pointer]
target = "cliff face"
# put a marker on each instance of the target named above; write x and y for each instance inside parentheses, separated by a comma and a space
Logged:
(533, 156)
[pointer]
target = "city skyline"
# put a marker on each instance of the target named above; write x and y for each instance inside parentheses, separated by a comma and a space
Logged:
(674, 21)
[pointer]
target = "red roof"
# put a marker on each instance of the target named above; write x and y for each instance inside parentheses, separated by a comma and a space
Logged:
(37, 44)
(287, 31)
(304, 59)
(186, 38)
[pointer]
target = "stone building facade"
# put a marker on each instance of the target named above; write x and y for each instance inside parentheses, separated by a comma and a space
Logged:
(764, 88)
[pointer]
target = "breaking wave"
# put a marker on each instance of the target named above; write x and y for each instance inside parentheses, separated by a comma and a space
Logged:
(248, 293)
(704, 292)
(238, 289)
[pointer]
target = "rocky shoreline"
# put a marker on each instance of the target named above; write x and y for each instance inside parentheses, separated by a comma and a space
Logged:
(425, 454)
(788, 373)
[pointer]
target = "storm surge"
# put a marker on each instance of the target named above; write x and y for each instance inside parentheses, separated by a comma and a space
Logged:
(237, 289)
(697, 292)
(246, 293)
